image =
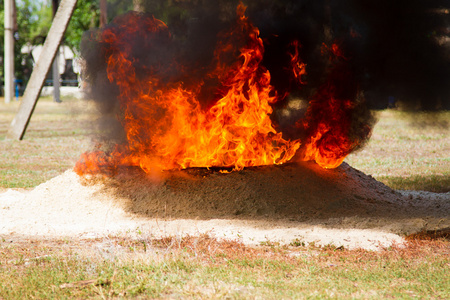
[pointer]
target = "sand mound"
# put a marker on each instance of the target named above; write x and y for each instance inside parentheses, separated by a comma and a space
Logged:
(275, 203)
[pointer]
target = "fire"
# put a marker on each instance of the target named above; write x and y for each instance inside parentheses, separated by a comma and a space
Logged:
(329, 118)
(166, 126)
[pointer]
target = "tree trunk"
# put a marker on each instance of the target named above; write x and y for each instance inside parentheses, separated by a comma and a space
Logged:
(9, 51)
(137, 5)
(55, 67)
(103, 13)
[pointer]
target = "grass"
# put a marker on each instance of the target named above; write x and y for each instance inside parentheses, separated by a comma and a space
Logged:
(201, 267)
(56, 136)
(432, 183)
(407, 151)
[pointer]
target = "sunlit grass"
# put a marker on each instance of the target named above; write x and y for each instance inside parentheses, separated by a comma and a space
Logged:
(408, 150)
(57, 134)
(202, 267)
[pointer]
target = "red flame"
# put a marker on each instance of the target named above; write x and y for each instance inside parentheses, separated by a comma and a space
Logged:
(329, 117)
(166, 127)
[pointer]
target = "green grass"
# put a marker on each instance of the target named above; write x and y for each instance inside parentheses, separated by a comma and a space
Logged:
(205, 268)
(407, 151)
(56, 136)
(432, 183)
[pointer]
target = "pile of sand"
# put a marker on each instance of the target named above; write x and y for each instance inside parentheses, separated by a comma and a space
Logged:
(292, 202)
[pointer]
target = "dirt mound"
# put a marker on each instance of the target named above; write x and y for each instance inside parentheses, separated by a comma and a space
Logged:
(300, 192)
(283, 203)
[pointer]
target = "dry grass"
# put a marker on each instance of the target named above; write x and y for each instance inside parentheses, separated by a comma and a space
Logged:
(202, 267)
(408, 151)
(56, 136)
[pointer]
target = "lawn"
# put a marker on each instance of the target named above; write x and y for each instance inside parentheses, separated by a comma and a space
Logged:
(56, 136)
(407, 151)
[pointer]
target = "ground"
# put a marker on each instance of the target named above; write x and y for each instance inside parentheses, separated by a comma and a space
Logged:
(299, 201)
(304, 226)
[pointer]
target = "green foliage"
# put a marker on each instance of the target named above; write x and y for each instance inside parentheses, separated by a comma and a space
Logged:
(33, 21)
(118, 7)
(85, 17)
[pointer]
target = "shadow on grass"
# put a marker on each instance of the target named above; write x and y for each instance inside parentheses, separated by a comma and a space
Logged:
(429, 235)
(430, 183)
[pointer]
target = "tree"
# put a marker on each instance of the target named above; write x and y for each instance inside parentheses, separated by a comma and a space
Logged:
(33, 22)
(26, 29)
(34, 19)
(85, 17)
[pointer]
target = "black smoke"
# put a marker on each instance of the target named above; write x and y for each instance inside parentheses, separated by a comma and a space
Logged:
(404, 51)
(399, 49)
(392, 52)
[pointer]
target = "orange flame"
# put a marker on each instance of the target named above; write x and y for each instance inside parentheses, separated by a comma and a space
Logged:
(165, 125)
(298, 67)
(328, 119)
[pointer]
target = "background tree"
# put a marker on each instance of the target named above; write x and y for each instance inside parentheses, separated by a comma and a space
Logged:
(85, 17)
(28, 15)
(34, 19)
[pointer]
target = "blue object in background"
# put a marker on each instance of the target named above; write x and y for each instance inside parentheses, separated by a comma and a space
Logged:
(17, 83)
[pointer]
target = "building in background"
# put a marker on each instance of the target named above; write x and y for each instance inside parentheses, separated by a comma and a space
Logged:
(68, 68)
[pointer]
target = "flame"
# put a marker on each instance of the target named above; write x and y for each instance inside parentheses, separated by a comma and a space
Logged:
(166, 127)
(298, 67)
(328, 119)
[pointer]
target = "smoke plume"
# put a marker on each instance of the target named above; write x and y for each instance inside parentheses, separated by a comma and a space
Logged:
(329, 62)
